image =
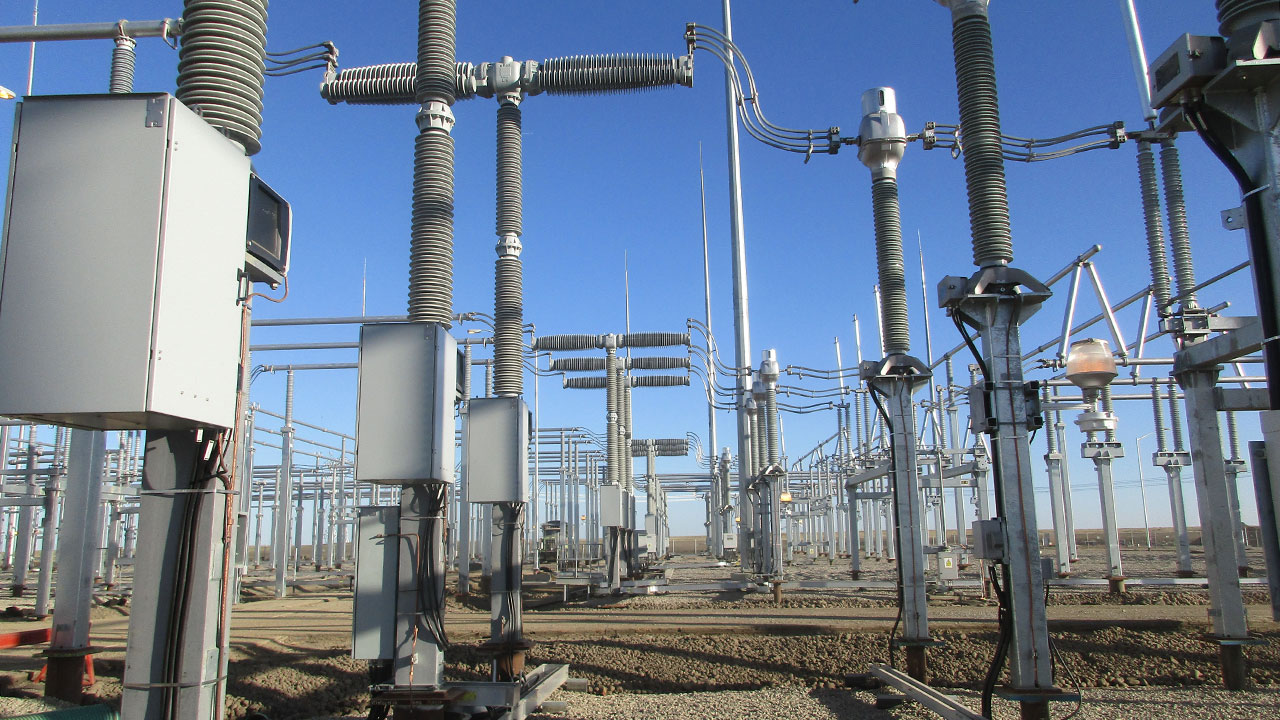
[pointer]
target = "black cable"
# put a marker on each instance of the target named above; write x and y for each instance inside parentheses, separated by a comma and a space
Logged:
(433, 611)
(203, 469)
(1002, 644)
(893, 498)
(1259, 249)
(964, 333)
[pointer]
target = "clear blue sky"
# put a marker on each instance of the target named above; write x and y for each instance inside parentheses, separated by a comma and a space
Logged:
(604, 175)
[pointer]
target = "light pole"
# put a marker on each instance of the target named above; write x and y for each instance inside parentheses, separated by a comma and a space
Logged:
(1142, 488)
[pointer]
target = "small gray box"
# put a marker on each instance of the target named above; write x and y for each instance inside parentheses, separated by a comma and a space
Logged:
(497, 447)
(373, 628)
(123, 246)
(407, 388)
(947, 565)
(611, 505)
(988, 540)
(1188, 64)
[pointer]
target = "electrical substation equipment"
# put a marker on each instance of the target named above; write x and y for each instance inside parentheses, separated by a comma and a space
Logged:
(883, 133)
(404, 418)
(497, 447)
(120, 296)
(1091, 366)
(266, 257)
(989, 540)
(611, 499)
(377, 547)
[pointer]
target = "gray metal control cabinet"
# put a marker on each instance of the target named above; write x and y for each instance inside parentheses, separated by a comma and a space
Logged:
(497, 447)
(611, 506)
(404, 419)
(373, 627)
(123, 245)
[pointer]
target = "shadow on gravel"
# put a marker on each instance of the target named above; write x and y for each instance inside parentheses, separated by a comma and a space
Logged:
(295, 682)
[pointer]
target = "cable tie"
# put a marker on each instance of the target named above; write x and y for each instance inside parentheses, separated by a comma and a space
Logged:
(1254, 191)
(177, 491)
(180, 685)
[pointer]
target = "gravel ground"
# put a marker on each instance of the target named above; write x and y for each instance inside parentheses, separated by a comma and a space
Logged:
(755, 675)
(801, 704)
(1159, 670)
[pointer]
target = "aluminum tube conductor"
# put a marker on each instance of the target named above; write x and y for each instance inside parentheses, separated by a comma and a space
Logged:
(1139, 56)
(91, 31)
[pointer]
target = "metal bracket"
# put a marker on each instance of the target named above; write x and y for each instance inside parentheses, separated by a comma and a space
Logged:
(1241, 399)
(1233, 219)
(1102, 450)
(1171, 458)
(157, 107)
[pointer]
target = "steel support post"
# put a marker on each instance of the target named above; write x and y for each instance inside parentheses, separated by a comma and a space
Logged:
(631, 537)
(1226, 605)
(1068, 506)
(70, 641)
(996, 301)
(958, 497)
(299, 514)
(855, 543)
(1173, 462)
(25, 541)
(464, 514)
(888, 543)
(1058, 501)
(340, 546)
(895, 379)
(1235, 466)
(48, 540)
(1102, 453)
(284, 495)
(173, 663)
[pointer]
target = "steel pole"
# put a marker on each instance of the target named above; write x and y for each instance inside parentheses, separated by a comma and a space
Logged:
(741, 312)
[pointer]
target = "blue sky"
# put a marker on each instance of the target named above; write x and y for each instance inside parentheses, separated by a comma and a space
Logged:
(614, 174)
